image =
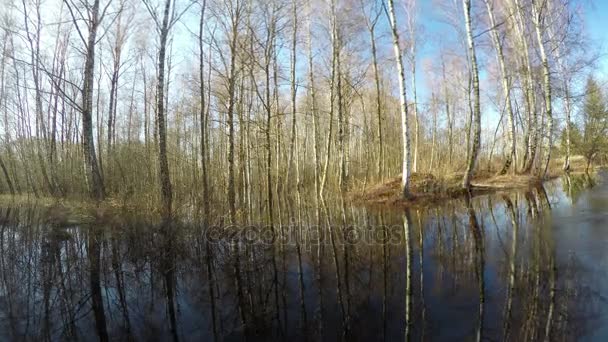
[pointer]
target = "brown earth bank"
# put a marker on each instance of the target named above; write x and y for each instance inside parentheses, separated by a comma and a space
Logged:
(427, 189)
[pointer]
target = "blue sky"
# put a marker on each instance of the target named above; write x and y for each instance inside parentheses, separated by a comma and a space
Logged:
(595, 14)
(431, 16)
(597, 17)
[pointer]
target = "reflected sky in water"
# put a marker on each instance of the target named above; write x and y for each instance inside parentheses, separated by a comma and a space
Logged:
(512, 266)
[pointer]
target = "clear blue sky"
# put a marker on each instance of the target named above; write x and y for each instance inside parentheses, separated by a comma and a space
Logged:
(597, 23)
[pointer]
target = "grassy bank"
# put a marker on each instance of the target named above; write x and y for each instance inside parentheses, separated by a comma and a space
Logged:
(426, 188)
(67, 212)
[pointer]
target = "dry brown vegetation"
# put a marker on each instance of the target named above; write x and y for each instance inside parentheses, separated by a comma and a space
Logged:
(427, 188)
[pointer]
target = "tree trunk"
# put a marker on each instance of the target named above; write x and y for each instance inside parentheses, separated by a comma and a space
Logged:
(530, 94)
(231, 136)
(41, 131)
(117, 52)
(203, 127)
(380, 167)
(112, 109)
(411, 23)
(416, 119)
(537, 12)
(506, 85)
(9, 183)
(472, 160)
(293, 90)
(448, 114)
(342, 119)
(332, 93)
(405, 133)
(568, 126)
(313, 106)
(95, 179)
(165, 181)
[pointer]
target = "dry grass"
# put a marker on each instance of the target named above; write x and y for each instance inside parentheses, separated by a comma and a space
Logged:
(424, 189)
(68, 212)
(428, 189)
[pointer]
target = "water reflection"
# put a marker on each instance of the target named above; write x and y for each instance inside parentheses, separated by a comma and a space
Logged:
(484, 268)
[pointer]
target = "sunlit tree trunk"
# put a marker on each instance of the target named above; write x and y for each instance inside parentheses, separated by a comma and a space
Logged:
(476, 119)
(411, 23)
(531, 138)
(332, 92)
(537, 11)
(405, 133)
(568, 127)
(506, 86)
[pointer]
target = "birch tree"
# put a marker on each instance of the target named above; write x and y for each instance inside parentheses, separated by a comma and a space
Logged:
(92, 20)
(405, 133)
(471, 162)
(506, 86)
(412, 28)
(538, 12)
(163, 25)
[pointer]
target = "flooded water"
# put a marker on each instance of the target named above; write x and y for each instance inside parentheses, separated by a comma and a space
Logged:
(518, 266)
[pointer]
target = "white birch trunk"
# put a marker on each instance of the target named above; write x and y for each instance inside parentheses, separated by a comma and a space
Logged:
(506, 85)
(405, 176)
(537, 12)
(476, 119)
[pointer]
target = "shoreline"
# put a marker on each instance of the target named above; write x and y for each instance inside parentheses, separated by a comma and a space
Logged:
(427, 190)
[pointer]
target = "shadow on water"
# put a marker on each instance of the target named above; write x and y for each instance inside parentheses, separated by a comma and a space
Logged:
(496, 267)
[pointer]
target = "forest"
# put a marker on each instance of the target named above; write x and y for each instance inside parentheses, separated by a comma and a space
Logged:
(226, 106)
(303, 170)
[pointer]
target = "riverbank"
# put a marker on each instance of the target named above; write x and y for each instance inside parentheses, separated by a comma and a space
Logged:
(68, 212)
(426, 188)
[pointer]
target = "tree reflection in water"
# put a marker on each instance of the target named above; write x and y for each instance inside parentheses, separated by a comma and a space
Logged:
(336, 272)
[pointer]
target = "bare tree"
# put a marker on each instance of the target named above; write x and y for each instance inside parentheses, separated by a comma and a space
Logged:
(371, 21)
(412, 28)
(293, 89)
(163, 26)
(119, 36)
(538, 11)
(313, 104)
(405, 133)
(506, 86)
(92, 20)
(471, 162)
